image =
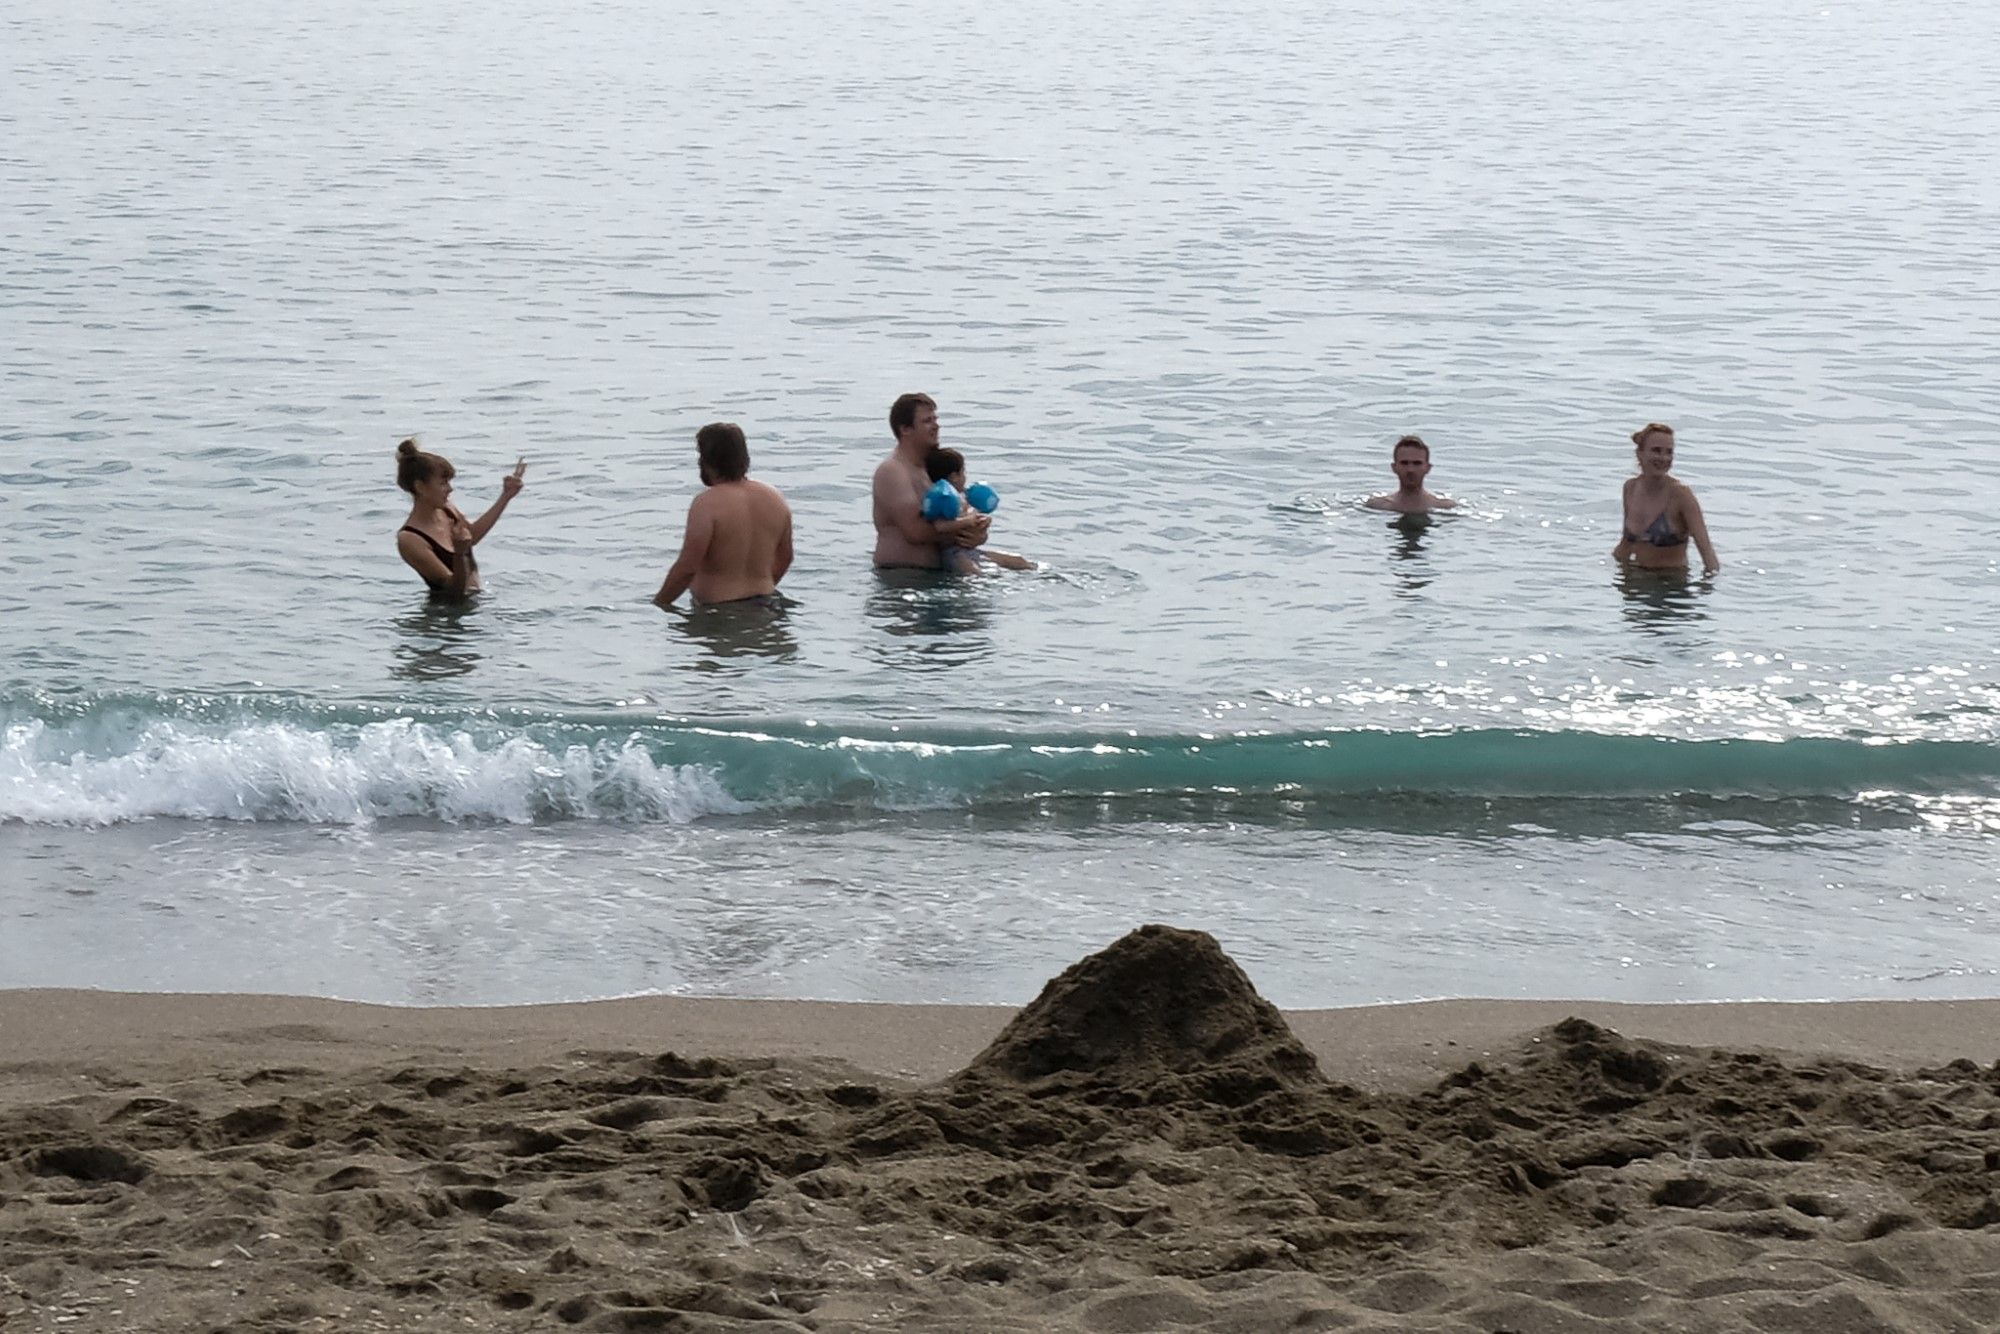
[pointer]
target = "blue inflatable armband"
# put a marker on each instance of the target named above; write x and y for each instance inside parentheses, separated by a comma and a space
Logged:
(941, 501)
(982, 497)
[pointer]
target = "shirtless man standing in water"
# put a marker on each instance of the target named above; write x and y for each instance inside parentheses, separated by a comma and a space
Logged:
(739, 532)
(903, 536)
(1410, 460)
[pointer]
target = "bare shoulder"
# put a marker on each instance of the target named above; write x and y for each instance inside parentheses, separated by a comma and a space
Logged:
(1443, 503)
(1378, 503)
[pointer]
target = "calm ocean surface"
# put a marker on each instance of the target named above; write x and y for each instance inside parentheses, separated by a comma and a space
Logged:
(1177, 275)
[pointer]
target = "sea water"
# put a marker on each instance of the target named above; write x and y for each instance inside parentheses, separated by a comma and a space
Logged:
(1178, 276)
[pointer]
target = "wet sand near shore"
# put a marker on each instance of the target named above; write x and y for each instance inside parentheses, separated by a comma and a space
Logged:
(1148, 1145)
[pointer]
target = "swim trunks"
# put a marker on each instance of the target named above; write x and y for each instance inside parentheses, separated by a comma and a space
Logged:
(768, 601)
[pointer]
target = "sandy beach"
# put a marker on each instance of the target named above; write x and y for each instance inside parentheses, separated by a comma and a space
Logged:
(1148, 1145)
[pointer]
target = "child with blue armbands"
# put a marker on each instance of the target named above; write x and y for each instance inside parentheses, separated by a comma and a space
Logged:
(948, 498)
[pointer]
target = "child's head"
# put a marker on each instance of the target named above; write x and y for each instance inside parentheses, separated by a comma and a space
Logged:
(946, 465)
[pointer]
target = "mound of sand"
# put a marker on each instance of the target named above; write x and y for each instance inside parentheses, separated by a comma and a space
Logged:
(1161, 1002)
(1147, 1146)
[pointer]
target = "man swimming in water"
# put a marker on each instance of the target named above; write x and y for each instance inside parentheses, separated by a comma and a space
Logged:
(903, 536)
(1410, 460)
(739, 532)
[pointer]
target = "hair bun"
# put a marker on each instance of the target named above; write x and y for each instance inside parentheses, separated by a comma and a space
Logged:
(1650, 428)
(408, 449)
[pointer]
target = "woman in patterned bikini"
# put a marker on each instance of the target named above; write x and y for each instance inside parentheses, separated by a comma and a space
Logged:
(1661, 513)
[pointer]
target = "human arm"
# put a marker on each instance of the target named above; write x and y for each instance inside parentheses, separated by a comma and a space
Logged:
(781, 560)
(967, 531)
(444, 578)
(1697, 531)
(899, 505)
(1623, 551)
(510, 486)
(694, 550)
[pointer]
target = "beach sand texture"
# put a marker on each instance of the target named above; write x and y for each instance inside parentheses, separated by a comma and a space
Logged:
(1149, 1145)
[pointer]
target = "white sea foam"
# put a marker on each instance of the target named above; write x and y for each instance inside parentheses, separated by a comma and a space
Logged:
(348, 775)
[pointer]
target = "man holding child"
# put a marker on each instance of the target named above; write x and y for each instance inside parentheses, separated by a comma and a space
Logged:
(903, 536)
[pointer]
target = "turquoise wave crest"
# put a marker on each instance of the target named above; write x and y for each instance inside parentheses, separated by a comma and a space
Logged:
(70, 760)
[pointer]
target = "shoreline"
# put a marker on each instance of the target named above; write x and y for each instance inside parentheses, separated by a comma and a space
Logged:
(1390, 1046)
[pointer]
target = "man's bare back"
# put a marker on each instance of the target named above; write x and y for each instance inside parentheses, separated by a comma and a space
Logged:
(739, 531)
(750, 546)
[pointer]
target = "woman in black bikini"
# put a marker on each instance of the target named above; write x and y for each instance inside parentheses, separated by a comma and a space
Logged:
(435, 540)
(1661, 513)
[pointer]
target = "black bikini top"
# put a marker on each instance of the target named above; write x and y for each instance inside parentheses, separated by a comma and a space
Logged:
(443, 552)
